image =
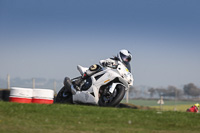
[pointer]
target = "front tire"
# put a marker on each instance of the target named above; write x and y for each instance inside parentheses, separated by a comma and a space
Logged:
(120, 92)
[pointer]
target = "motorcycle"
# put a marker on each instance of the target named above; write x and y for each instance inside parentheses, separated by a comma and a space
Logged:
(106, 87)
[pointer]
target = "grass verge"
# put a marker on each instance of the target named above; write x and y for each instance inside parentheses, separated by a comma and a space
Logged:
(57, 118)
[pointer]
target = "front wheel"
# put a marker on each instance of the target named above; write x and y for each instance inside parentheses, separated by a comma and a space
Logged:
(112, 99)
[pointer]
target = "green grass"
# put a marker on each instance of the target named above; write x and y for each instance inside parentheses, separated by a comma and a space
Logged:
(181, 108)
(169, 105)
(154, 102)
(58, 118)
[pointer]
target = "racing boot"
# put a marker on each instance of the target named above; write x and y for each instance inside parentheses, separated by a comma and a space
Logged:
(67, 82)
(86, 73)
(80, 80)
(68, 86)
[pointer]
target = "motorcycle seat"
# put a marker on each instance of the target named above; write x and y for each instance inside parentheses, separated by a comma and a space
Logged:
(81, 69)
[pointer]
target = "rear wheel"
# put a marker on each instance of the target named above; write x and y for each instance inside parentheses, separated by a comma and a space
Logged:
(113, 99)
(64, 96)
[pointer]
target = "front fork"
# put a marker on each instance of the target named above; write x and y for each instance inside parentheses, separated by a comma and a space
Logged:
(112, 88)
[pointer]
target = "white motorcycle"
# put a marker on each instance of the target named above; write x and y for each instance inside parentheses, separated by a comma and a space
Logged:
(106, 87)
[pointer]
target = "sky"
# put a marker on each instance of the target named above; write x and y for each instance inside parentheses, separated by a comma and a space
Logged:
(49, 38)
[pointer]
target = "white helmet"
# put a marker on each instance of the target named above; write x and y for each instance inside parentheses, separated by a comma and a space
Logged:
(124, 56)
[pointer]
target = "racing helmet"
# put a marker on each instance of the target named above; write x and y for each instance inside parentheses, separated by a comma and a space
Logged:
(124, 56)
(197, 105)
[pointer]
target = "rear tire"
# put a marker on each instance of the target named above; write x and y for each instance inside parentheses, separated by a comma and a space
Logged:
(116, 100)
(64, 96)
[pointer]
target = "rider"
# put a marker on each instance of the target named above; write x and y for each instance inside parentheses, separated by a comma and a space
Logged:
(194, 108)
(123, 56)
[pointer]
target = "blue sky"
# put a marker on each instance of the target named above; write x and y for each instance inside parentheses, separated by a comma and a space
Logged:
(49, 38)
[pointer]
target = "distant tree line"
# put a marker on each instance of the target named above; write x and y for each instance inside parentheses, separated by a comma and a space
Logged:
(170, 91)
(189, 90)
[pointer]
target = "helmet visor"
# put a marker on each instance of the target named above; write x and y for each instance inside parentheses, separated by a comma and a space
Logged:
(125, 59)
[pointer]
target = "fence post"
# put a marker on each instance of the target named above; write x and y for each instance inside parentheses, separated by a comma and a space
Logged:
(8, 81)
(161, 102)
(55, 87)
(33, 83)
(175, 100)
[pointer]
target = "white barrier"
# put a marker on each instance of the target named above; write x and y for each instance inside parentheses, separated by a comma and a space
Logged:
(21, 95)
(29, 95)
(43, 96)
